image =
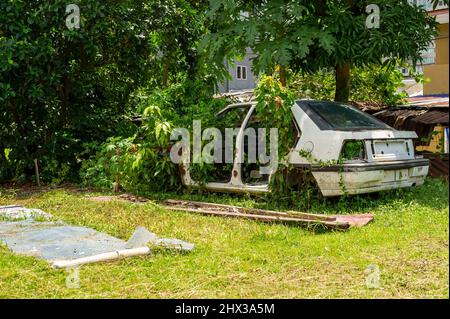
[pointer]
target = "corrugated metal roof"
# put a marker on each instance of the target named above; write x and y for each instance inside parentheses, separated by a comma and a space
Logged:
(428, 101)
(416, 102)
(433, 117)
(398, 117)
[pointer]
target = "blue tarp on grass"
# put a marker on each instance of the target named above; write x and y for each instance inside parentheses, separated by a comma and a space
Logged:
(33, 232)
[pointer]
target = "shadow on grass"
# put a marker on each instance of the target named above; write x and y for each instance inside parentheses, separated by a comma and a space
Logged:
(28, 191)
(433, 194)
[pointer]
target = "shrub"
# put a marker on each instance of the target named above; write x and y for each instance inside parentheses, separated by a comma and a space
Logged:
(141, 163)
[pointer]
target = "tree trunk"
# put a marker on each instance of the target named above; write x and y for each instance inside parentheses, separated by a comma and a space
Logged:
(2, 154)
(342, 83)
(165, 75)
(283, 76)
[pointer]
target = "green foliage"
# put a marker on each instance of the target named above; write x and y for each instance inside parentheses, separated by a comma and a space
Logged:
(274, 110)
(277, 31)
(319, 85)
(205, 172)
(352, 150)
(377, 84)
(61, 89)
(371, 83)
(319, 34)
(111, 164)
(5, 165)
(138, 163)
(141, 163)
(312, 35)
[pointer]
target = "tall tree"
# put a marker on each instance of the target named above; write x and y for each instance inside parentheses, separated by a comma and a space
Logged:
(63, 85)
(310, 35)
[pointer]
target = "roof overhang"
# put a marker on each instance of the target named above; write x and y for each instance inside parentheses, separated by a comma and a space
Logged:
(441, 15)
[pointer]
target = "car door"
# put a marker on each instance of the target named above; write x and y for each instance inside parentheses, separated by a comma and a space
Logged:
(229, 123)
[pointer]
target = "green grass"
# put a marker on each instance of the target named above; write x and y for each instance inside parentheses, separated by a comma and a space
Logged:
(234, 258)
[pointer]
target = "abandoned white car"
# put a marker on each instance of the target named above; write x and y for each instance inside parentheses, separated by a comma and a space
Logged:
(361, 153)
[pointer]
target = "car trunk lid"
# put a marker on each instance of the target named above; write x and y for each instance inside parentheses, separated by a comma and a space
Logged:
(389, 149)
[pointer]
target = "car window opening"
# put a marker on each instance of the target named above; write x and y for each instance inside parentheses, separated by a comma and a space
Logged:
(345, 117)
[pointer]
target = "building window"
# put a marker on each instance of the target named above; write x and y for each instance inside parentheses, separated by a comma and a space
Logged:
(419, 69)
(241, 72)
(405, 71)
(429, 54)
(428, 4)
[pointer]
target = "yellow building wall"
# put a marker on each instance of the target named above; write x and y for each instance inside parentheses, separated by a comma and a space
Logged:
(438, 72)
(436, 144)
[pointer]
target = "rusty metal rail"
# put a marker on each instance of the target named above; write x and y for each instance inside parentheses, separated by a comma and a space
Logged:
(341, 222)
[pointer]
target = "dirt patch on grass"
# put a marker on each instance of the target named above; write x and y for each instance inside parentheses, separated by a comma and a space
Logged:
(124, 197)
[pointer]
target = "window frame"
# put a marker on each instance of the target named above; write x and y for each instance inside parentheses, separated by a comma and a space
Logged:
(325, 125)
(241, 70)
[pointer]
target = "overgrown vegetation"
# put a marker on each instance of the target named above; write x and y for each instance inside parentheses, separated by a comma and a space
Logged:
(68, 96)
(64, 91)
(97, 105)
(140, 162)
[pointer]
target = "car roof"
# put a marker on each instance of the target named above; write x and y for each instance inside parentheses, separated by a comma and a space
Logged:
(249, 104)
(234, 106)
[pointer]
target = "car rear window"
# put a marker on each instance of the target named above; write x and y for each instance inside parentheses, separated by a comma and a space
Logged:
(341, 116)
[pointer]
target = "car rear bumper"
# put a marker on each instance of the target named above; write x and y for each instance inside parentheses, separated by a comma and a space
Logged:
(360, 178)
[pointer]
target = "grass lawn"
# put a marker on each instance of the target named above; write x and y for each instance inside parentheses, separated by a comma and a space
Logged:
(233, 258)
